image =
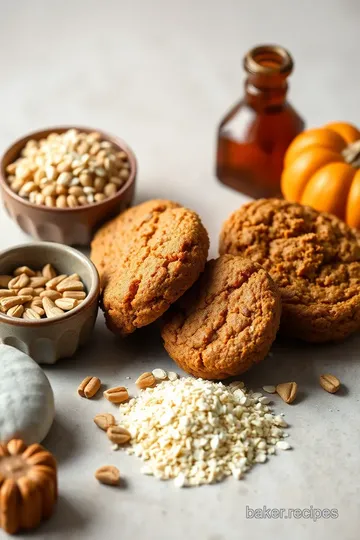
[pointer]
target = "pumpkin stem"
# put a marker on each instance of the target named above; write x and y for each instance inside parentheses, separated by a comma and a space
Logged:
(351, 154)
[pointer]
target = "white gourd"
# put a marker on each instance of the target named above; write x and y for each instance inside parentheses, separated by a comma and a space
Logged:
(27, 407)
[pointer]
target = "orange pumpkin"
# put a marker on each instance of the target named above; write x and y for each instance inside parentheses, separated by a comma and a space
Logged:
(322, 170)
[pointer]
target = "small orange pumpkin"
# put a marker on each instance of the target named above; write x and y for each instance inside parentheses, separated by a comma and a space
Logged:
(322, 170)
(28, 485)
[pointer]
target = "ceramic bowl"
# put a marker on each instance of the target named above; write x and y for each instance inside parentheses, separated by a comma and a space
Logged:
(48, 340)
(71, 226)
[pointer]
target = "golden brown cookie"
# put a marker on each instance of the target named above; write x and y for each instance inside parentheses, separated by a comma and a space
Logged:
(110, 240)
(226, 322)
(148, 257)
(313, 257)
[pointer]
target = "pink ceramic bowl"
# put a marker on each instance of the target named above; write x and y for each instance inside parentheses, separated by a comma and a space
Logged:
(71, 226)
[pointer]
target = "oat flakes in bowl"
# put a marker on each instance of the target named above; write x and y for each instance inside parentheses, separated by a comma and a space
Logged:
(60, 183)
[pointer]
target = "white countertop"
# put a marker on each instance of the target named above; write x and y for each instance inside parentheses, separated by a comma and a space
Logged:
(161, 74)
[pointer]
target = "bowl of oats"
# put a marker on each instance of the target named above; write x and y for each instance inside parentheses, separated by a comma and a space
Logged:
(61, 183)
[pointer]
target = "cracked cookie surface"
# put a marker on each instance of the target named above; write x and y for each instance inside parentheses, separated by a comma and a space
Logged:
(313, 257)
(147, 257)
(226, 322)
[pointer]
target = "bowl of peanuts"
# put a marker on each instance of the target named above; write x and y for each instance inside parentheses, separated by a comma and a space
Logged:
(61, 183)
(49, 297)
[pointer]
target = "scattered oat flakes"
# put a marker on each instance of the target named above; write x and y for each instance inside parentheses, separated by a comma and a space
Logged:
(198, 432)
(160, 374)
(283, 445)
(269, 389)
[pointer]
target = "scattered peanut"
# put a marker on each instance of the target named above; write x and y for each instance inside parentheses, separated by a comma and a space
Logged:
(118, 435)
(330, 383)
(287, 391)
(146, 380)
(118, 394)
(89, 387)
(109, 475)
(104, 421)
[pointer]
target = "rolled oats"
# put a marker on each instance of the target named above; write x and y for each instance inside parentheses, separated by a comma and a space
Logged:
(160, 374)
(198, 432)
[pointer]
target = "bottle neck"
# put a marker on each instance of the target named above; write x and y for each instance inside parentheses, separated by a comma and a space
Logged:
(267, 67)
(264, 94)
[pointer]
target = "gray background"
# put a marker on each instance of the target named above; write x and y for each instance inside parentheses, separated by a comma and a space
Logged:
(161, 74)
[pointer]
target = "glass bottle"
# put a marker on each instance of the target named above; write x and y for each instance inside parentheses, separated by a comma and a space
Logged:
(254, 135)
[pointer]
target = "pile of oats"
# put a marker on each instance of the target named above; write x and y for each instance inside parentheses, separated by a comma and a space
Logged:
(198, 432)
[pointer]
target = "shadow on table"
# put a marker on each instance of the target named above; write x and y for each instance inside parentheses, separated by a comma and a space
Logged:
(291, 360)
(67, 518)
(288, 360)
(62, 439)
(112, 352)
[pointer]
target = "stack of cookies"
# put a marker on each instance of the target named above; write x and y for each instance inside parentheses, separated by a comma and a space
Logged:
(281, 264)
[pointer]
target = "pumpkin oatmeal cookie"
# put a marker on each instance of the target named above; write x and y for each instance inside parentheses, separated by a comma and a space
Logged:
(148, 257)
(313, 257)
(226, 322)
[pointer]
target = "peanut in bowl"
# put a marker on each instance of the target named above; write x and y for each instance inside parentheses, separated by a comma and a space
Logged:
(44, 330)
(59, 184)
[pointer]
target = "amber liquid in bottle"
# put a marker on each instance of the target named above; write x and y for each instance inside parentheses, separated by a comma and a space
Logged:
(254, 135)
